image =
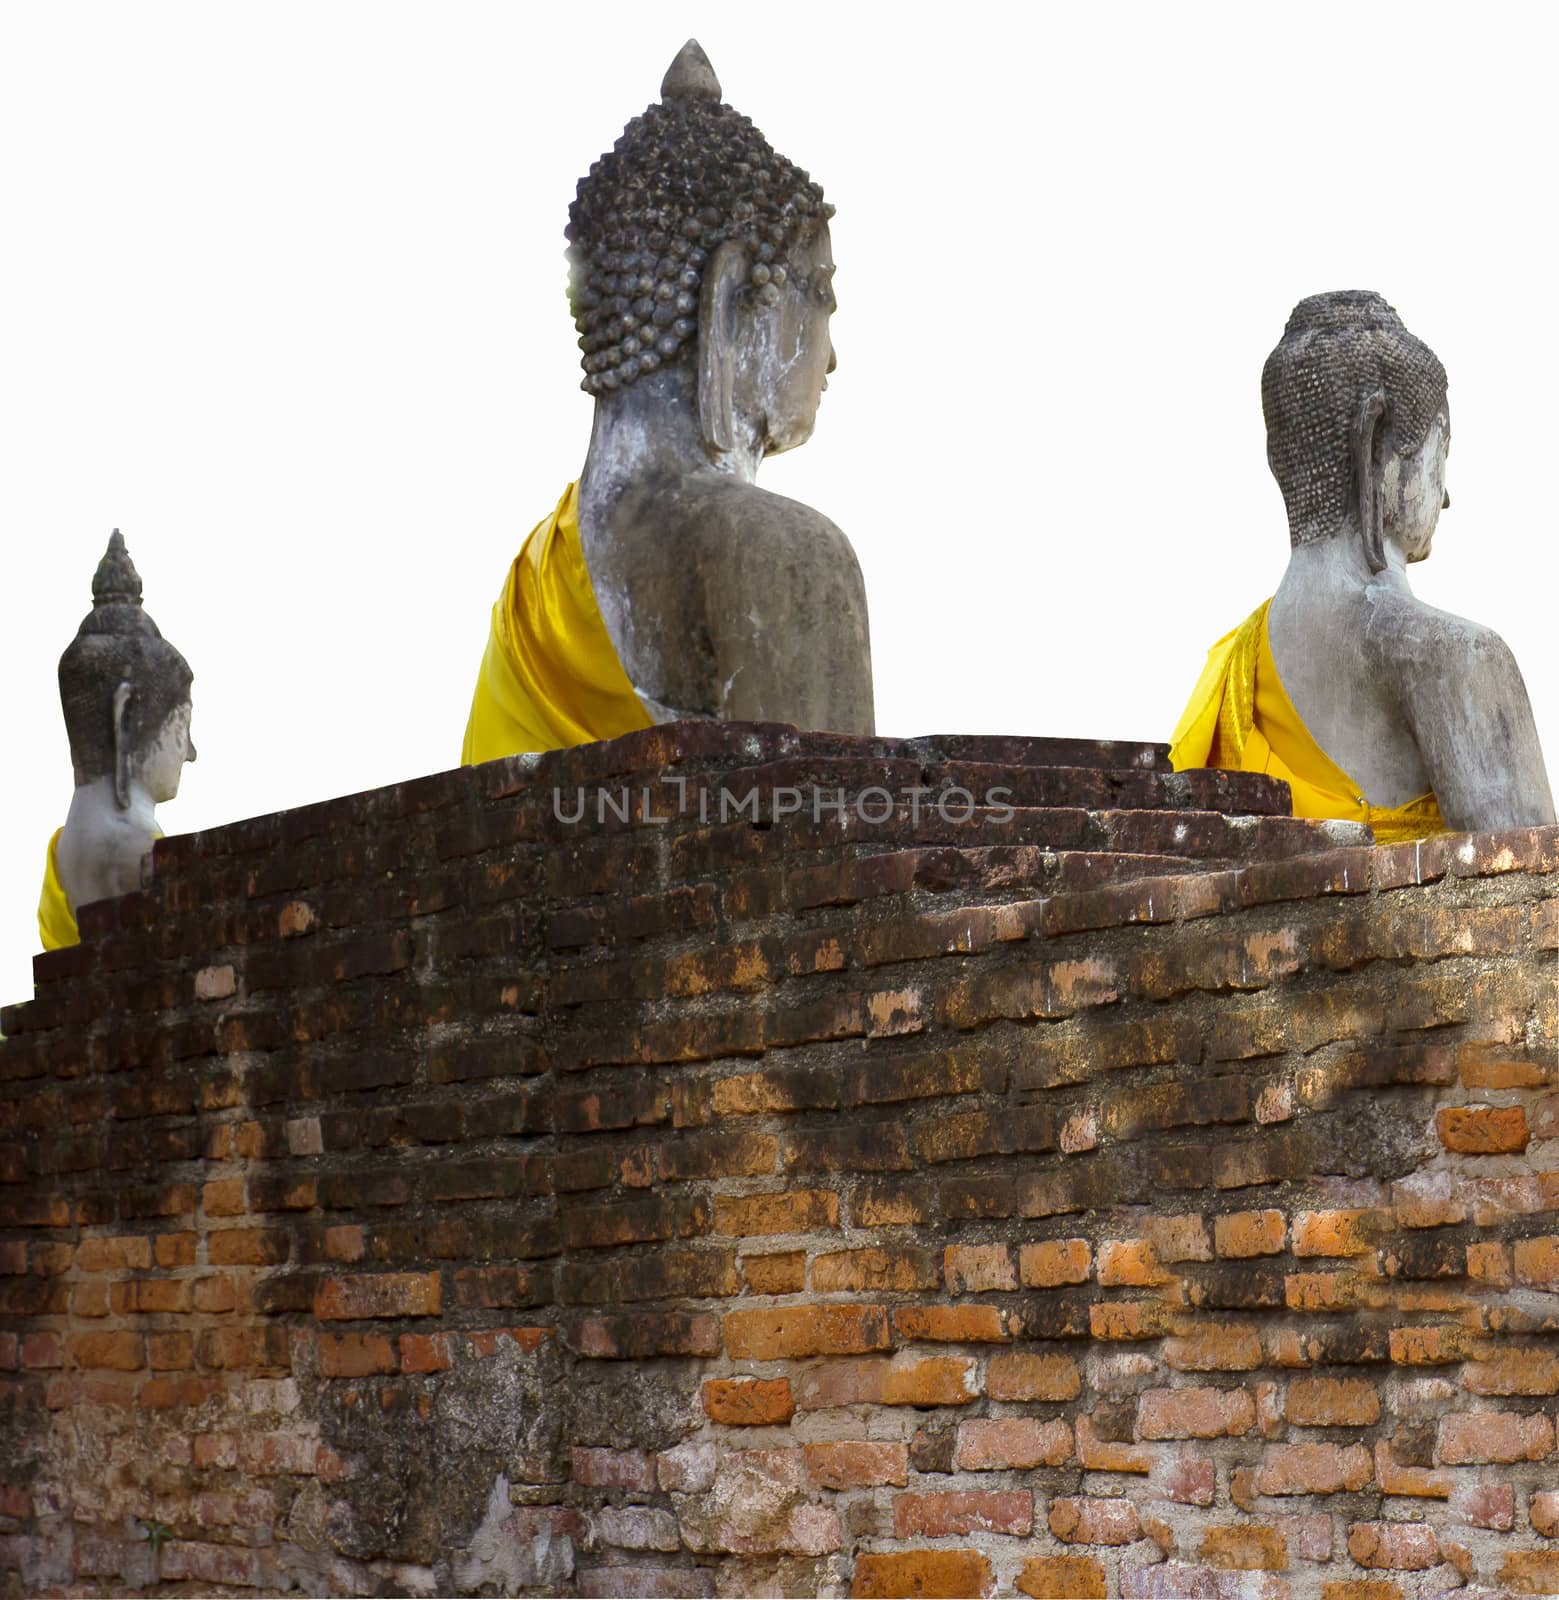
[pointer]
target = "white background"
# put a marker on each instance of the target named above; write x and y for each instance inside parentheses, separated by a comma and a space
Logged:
(282, 297)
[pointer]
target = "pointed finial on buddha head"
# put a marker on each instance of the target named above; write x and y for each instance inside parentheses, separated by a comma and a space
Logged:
(690, 76)
(116, 582)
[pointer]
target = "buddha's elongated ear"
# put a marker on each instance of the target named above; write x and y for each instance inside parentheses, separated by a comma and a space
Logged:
(724, 275)
(123, 695)
(1371, 512)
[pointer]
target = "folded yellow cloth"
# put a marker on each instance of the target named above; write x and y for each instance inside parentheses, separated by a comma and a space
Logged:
(1240, 717)
(56, 924)
(550, 676)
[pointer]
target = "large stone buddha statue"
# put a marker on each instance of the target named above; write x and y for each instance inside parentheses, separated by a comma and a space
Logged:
(666, 584)
(126, 696)
(1372, 705)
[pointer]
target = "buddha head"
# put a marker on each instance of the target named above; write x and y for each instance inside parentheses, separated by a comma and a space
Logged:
(125, 690)
(693, 245)
(1357, 425)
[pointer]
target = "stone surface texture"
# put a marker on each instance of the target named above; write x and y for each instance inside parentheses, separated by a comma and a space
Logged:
(1142, 1193)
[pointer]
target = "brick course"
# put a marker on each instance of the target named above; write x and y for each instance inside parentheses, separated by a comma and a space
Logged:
(1145, 1193)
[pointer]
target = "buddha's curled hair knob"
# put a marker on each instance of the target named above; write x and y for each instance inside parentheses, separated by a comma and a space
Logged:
(687, 176)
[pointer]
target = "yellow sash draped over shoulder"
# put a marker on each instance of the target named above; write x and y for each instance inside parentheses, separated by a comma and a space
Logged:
(550, 676)
(1240, 717)
(56, 923)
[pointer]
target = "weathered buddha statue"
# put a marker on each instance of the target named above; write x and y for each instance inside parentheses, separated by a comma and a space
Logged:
(1372, 705)
(666, 584)
(125, 691)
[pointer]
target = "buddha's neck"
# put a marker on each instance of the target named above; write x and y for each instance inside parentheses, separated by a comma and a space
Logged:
(1338, 565)
(652, 430)
(103, 843)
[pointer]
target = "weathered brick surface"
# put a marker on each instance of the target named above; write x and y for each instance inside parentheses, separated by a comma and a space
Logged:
(1139, 1193)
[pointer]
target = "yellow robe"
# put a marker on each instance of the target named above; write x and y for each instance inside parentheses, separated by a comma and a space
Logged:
(550, 676)
(1240, 717)
(56, 923)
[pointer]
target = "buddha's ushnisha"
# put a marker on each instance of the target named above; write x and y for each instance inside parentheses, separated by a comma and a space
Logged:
(666, 584)
(125, 692)
(1372, 705)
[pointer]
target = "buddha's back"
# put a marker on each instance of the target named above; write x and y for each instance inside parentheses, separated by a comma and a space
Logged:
(724, 600)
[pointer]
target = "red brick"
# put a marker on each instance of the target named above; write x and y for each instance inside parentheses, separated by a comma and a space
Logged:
(789, 1333)
(1514, 1371)
(223, 1197)
(978, 1268)
(1195, 1413)
(1244, 1547)
(1062, 1578)
(1100, 1454)
(1545, 1513)
(1530, 1572)
(874, 1269)
(1055, 1262)
(1243, 1234)
(905, 1381)
(216, 1292)
(344, 1243)
(1129, 1319)
(1130, 1262)
(378, 1294)
(613, 1469)
(119, 1254)
(1397, 1546)
(1429, 1346)
(1215, 1347)
(145, 1296)
(424, 1352)
(169, 1394)
(997, 1443)
(1537, 1262)
(1334, 1233)
(176, 1249)
(117, 1352)
(937, 1515)
(1482, 1130)
(43, 1350)
(748, 1402)
(247, 1247)
(170, 1352)
(355, 1355)
(1333, 1403)
(925, 1574)
(856, 1464)
(1031, 1377)
(779, 1272)
(757, 1215)
(960, 1324)
(1313, 1469)
(1468, 1437)
(1083, 1521)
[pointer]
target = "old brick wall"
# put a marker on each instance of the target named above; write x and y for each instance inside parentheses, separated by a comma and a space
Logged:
(1139, 1194)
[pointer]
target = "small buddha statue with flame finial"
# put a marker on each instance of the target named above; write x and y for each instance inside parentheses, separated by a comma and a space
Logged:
(126, 695)
(666, 584)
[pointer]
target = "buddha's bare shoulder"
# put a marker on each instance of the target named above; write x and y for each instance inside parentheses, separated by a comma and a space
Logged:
(721, 514)
(1407, 639)
(1402, 632)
